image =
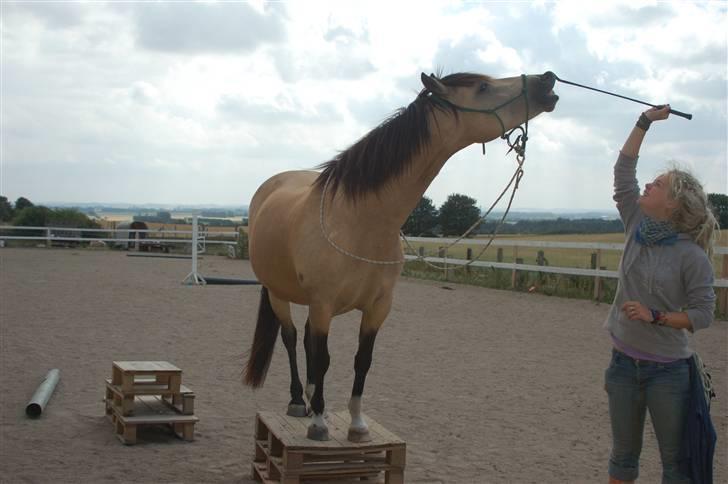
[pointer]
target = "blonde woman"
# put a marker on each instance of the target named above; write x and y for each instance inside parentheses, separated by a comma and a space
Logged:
(665, 292)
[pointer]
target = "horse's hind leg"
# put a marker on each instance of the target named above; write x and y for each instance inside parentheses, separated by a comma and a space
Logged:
(282, 309)
(371, 322)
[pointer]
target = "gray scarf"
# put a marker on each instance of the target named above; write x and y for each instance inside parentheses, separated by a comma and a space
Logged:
(654, 232)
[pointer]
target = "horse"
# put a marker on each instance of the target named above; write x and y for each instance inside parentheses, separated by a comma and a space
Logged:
(330, 239)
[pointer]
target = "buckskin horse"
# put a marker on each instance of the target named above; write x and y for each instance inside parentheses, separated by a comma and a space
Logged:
(330, 240)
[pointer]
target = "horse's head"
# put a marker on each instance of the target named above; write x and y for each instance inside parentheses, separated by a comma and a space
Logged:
(489, 107)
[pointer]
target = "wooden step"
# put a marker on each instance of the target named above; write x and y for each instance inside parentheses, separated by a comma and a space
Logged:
(151, 410)
(183, 402)
(283, 453)
(129, 374)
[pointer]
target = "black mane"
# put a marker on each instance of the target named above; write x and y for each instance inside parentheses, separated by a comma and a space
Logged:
(386, 151)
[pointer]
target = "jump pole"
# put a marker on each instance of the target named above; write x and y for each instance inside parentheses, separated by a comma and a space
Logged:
(43, 394)
(193, 277)
(197, 279)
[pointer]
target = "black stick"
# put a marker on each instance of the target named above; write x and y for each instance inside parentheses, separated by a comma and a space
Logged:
(672, 111)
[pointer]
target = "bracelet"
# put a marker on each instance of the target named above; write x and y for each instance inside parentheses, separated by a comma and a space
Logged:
(643, 122)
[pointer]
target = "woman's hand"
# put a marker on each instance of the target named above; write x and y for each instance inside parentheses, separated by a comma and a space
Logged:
(637, 312)
(656, 114)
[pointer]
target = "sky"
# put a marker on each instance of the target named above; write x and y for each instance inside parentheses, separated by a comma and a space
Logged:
(199, 103)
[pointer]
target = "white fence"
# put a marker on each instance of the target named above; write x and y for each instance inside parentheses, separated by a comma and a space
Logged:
(50, 235)
(515, 267)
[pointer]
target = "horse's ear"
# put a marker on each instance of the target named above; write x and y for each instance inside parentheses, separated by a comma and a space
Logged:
(432, 83)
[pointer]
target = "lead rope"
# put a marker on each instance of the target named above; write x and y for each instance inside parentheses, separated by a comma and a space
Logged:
(340, 249)
(518, 145)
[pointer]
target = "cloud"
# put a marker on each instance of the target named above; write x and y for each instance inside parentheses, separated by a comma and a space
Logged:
(53, 15)
(336, 63)
(339, 53)
(206, 28)
(286, 110)
(482, 53)
(201, 102)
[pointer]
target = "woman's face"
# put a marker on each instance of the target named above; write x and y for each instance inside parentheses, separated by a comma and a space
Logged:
(655, 200)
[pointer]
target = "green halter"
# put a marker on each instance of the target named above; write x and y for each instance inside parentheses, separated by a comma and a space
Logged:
(519, 145)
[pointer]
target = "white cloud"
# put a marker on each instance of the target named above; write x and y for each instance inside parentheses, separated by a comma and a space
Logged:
(175, 103)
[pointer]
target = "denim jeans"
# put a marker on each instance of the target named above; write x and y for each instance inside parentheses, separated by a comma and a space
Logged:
(635, 386)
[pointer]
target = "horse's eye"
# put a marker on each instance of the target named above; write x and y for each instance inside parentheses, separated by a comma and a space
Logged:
(483, 87)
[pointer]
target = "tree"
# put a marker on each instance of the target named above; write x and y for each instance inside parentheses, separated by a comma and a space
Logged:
(457, 214)
(22, 203)
(6, 210)
(71, 217)
(719, 201)
(422, 220)
(32, 216)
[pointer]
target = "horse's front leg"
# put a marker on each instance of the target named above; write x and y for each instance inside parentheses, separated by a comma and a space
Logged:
(310, 374)
(320, 320)
(371, 322)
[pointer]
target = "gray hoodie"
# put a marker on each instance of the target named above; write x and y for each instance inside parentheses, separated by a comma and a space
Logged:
(669, 278)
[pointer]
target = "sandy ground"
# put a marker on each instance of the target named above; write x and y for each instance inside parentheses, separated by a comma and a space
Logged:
(483, 385)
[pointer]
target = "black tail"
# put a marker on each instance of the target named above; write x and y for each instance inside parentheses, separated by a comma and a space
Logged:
(261, 352)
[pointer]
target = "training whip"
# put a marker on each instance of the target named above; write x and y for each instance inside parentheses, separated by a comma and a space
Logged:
(672, 111)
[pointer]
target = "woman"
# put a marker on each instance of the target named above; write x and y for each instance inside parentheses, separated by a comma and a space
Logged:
(665, 290)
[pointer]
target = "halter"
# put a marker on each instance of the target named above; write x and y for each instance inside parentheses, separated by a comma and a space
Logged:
(518, 145)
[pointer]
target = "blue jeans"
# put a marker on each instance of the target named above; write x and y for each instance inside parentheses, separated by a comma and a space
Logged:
(633, 387)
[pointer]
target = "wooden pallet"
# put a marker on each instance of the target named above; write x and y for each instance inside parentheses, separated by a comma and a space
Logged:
(134, 377)
(151, 410)
(283, 454)
(183, 402)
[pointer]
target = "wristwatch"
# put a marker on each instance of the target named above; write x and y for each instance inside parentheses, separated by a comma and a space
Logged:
(658, 317)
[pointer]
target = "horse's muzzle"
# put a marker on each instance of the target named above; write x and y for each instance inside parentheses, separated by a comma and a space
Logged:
(545, 91)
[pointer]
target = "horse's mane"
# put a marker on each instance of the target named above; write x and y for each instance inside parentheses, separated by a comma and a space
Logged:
(386, 151)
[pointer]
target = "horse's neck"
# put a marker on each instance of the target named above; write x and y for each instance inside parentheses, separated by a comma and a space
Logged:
(389, 208)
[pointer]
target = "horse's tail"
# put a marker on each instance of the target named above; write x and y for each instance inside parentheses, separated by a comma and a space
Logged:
(261, 351)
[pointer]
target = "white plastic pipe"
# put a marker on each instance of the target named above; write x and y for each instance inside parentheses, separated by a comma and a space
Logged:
(43, 394)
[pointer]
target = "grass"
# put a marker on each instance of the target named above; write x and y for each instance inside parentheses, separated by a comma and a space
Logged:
(571, 286)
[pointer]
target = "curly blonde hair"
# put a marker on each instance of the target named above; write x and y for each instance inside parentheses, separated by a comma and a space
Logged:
(693, 215)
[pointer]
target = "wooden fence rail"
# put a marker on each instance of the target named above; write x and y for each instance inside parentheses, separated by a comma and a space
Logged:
(597, 271)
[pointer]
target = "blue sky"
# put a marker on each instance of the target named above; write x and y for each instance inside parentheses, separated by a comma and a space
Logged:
(199, 103)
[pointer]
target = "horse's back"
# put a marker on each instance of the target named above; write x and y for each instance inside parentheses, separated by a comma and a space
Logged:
(287, 187)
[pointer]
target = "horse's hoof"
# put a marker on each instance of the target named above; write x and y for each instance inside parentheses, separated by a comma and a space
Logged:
(359, 436)
(317, 433)
(296, 410)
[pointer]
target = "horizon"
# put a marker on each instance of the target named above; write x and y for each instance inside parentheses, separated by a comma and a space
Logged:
(243, 205)
(182, 206)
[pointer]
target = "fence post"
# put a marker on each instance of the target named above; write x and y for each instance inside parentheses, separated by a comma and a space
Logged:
(137, 244)
(499, 257)
(723, 291)
(421, 251)
(515, 261)
(447, 271)
(597, 279)
(468, 256)
(48, 238)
